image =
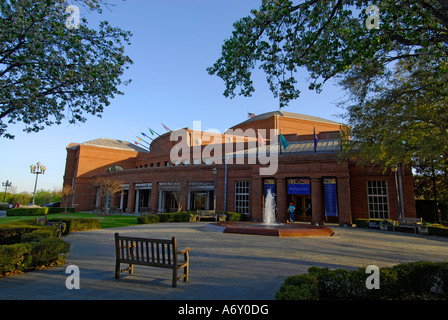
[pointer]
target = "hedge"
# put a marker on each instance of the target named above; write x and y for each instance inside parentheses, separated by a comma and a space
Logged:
(27, 212)
(408, 281)
(29, 248)
(148, 218)
(78, 224)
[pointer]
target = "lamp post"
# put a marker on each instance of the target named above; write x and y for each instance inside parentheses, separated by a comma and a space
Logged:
(214, 171)
(37, 169)
(6, 185)
(395, 170)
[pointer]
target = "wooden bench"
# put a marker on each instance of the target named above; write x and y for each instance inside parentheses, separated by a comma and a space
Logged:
(152, 253)
(201, 214)
(412, 223)
(44, 222)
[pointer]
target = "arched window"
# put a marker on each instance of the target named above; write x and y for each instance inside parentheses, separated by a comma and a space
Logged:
(114, 168)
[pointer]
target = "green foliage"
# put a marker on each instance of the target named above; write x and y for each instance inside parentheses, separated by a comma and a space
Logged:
(50, 72)
(408, 281)
(233, 216)
(27, 212)
(148, 218)
(304, 287)
(78, 224)
(24, 248)
(12, 233)
(181, 216)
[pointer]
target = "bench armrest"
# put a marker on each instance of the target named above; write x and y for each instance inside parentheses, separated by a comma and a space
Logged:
(184, 251)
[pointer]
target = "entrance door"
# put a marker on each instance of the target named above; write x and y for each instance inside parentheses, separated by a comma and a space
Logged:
(303, 207)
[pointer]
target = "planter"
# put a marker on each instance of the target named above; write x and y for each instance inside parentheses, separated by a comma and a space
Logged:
(422, 230)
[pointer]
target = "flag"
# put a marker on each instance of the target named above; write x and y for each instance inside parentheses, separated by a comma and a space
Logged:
(283, 141)
(316, 140)
(260, 140)
(250, 115)
(152, 133)
(166, 128)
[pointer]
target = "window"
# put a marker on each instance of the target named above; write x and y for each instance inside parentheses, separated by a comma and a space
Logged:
(242, 197)
(377, 199)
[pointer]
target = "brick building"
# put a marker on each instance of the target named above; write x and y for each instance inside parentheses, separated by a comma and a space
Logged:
(232, 171)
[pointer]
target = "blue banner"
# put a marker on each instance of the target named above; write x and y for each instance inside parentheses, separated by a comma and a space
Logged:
(299, 186)
(331, 198)
(269, 184)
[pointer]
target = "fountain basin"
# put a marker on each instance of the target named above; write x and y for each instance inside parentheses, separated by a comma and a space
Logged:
(278, 230)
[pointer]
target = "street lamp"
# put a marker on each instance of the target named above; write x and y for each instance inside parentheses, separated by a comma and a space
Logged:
(214, 171)
(6, 185)
(394, 169)
(37, 169)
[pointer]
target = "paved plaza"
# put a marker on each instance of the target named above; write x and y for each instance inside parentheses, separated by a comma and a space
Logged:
(222, 266)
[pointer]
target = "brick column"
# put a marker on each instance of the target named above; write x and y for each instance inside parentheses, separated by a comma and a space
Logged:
(344, 207)
(154, 196)
(316, 201)
(280, 199)
(131, 198)
(256, 199)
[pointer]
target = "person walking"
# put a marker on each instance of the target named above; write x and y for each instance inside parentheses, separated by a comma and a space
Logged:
(291, 210)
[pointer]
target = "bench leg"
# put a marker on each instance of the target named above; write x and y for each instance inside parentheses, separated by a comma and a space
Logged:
(117, 269)
(174, 277)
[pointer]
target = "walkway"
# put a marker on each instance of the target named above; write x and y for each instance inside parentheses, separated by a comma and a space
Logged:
(223, 266)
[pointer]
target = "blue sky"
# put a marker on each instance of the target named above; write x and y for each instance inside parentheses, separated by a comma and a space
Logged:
(172, 45)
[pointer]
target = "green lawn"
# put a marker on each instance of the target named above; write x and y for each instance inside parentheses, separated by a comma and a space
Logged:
(112, 221)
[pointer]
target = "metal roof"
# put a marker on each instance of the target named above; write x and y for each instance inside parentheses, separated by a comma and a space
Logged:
(298, 147)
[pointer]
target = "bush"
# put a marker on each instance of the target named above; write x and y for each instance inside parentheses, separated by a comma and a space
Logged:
(181, 216)
(78, 224)
(233, 216)
(304, 286)
(49, 251)
(40, 249)
(60, 209)
(148, 218)
(410, 281)
(10, 234)
(27, 212)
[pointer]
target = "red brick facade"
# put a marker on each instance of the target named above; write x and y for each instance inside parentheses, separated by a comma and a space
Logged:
(148, 179)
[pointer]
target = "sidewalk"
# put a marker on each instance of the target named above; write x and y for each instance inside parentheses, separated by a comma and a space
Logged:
(222, 266)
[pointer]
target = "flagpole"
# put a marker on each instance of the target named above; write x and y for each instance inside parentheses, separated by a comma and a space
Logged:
(151, 130)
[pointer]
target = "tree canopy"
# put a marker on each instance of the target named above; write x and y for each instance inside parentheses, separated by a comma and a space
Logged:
(395, 74)
(50, 71)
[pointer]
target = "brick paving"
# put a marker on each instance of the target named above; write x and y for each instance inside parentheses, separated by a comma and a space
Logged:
(222, 267)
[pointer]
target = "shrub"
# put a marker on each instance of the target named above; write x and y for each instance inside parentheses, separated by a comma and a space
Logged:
(49, 251)
(233, 216)
(10, 234)
(60, 209)
(181, 216)
(148, 218)
(27, 212)
(304, 286)
(14, 258)
(78, 224)
(41, 249)
(416, 280)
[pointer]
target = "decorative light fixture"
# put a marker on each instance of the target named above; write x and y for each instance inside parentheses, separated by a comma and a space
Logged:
(37, 169)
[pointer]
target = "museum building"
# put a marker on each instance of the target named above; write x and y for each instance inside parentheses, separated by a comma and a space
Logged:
(295, 156)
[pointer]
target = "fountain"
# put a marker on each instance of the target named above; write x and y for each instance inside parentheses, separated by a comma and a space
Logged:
(269, 210)
(269, 226)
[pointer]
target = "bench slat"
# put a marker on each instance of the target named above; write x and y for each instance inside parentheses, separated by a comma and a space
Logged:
(131, 250)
